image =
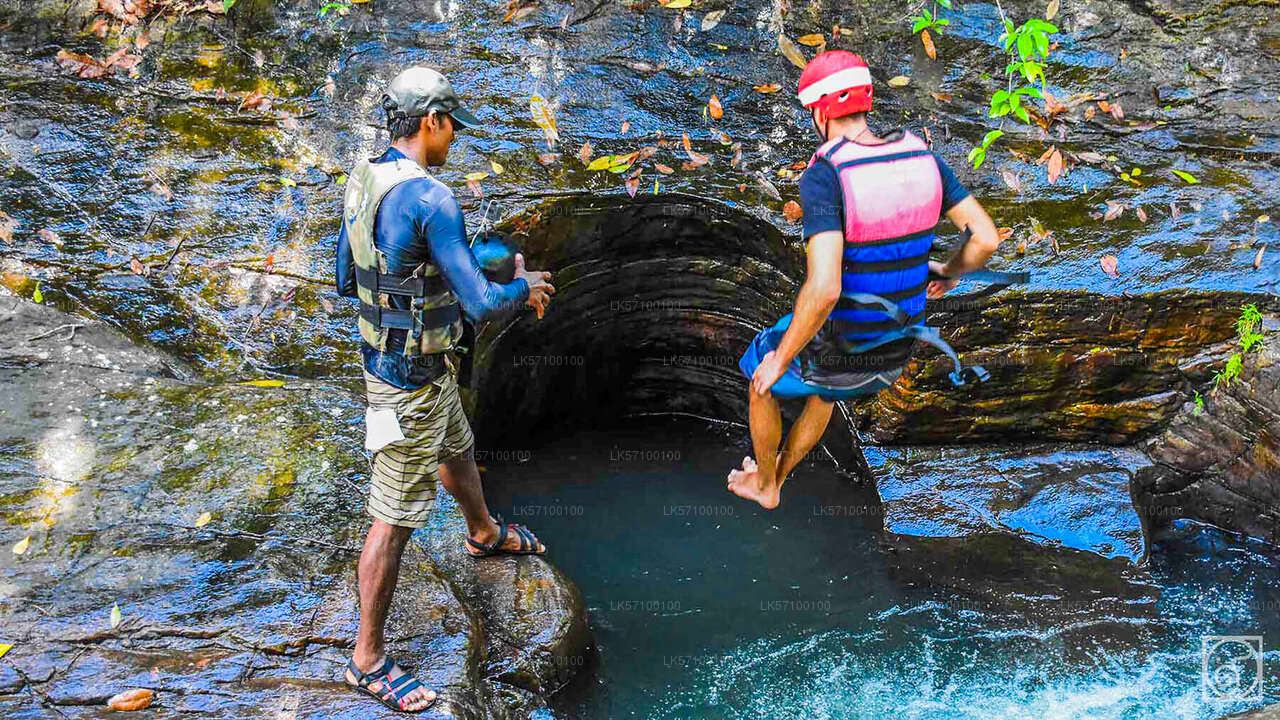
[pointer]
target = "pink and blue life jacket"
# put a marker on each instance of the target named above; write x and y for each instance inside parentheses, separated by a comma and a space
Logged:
(892, 196)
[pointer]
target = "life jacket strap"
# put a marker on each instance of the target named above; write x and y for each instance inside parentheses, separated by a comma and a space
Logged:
(959, 376)
(411, 320)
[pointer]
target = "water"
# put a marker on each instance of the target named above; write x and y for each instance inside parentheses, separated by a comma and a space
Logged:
(705, 606)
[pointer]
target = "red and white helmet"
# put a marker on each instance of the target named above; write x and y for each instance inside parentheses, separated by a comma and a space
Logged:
(837, 82)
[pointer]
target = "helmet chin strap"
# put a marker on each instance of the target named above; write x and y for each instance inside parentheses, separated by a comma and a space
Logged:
(822, 131)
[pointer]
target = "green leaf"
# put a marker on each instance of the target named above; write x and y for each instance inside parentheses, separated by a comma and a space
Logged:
(991, 137)
(1021, 112)
(226, 5)
(999, 96)
(1043, 26)
(1186, 176)
(600, 163)
(1032, 91)
(288, 182)
(941, 22)
(1042, 44)
(976, 156)
(1026, 46)
(1008, 26)
(264, 383)
(919, 25)
(38, 296)
(945, 3)
(116, 615)
(926, 15)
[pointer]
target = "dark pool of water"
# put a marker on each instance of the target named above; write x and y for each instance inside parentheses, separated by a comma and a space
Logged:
(705, 606)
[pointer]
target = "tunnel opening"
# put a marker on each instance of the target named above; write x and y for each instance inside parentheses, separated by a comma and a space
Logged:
(656, 298)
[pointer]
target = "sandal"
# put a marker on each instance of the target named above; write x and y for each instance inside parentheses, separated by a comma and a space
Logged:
(528, 543)
(393, 692)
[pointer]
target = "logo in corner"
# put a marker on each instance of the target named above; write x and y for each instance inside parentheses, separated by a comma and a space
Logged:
(1231, 667)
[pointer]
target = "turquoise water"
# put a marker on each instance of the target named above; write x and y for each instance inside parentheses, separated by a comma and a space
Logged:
(704, 606)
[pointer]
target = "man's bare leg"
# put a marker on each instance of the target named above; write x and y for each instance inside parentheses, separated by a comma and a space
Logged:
(461, 478)
(755, 481)
(804, 435)
(376, 575)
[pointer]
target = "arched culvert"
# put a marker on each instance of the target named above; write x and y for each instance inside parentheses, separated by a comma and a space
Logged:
(656, 298)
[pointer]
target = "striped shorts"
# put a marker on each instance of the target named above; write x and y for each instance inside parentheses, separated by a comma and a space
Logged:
(402, 487)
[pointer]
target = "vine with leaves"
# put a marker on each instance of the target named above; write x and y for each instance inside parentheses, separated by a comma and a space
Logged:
(1027, 46)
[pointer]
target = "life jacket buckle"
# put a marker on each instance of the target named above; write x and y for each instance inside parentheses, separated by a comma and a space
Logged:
(972, 373)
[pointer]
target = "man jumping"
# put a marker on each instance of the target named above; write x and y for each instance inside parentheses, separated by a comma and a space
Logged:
(871, 204)
(403, 252)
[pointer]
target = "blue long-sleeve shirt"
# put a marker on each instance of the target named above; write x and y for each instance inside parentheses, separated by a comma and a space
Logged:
(419, 220)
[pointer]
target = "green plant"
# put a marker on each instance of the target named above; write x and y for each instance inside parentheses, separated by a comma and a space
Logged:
(1199, 403)
(339, 8)
(929, 20)
(1248, 330)
(978, 154)
(1247, 327)
(1027, 46)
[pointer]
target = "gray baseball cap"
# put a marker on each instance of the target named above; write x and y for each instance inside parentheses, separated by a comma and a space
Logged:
(419, 90)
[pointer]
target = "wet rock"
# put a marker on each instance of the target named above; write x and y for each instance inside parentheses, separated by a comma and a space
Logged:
(537, 635)
(1270, 712)
(10, 681)
(109, 463)
(1221, 465)
(1072, 497)
(1064, 366)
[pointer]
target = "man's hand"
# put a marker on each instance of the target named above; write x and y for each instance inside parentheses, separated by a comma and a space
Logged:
(767, 373)
(938, 288)
(540, 287)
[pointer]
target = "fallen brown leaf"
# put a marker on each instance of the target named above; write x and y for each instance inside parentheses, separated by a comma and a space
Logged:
(1110, 265)
(1012, 181)
(49, 236)
(584, 153)
(136, 699)
(1257, 259)
(792, 211)
(7, 226)
(768, 88)
(1055, 166)
(1142, 214)
(1117, 112)
(812, 39)
(632, 184)
(714, 108)
(929, 49)
(695, 157)
(942, 97)
(626, 125)
(1114, 210)
(664, 169)
(790, 51)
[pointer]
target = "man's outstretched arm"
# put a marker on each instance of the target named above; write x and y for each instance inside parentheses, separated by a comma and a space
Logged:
(818, 295)
(480, 299)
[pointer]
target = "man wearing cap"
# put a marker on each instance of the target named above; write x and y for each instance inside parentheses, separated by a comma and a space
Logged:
(402, 252)
(871, 204)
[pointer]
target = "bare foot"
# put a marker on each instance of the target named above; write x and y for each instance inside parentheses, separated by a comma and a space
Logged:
(420, 698)
(749, 483)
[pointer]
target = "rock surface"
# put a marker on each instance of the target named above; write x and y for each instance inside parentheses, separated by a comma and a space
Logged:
(1221, 464)
(111, 462)
(1062, 497)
